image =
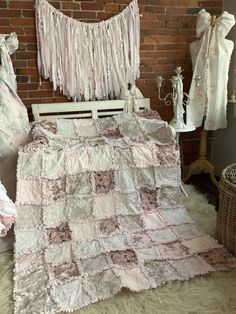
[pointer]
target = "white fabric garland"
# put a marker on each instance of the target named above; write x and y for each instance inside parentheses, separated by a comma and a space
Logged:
(88, 61)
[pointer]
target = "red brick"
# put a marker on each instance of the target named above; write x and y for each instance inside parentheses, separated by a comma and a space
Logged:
(70, 5)
(10, 13)
(21, 4)
(28, 71)
(4, 22)
(23, 21)
(3, 4)
(111, 7)
(25, 55)
(104, 15)
(85, 15)
(175, 10)
(28, 87)
(28, 13)
(93, 6)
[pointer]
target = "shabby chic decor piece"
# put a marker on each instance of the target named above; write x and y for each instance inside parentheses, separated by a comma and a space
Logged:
(210, 55)
(177, 98)
(99, 203)
(14, 122)
(88, 61)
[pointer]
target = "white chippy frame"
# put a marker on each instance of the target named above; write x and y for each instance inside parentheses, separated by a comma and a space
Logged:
(85, 109)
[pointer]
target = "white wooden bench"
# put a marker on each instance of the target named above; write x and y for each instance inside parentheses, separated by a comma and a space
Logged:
(86, 109)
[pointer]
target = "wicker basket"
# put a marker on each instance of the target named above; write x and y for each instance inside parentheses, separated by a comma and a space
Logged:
(226, 217)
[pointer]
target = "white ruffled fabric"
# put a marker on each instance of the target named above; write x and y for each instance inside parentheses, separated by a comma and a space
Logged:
(7, 212)
(14, 122)
(88, 61)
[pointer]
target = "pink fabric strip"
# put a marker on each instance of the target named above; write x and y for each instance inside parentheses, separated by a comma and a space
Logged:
(88, 61)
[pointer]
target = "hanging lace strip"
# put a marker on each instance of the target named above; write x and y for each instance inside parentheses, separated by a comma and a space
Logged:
(88, 61)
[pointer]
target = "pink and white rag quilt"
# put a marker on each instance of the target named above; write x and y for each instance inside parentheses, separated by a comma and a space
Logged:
(99, 208)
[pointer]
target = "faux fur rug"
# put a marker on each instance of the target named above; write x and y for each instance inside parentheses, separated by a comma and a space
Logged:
(210, 294)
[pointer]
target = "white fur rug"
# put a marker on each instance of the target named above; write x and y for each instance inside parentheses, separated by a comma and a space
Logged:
(209, 294)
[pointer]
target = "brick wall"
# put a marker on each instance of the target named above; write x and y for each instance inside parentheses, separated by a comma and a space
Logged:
(167, 28)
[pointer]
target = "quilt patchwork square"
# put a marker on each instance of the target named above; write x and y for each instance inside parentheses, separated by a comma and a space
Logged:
(36, 240)
(57, 254)
(104, 181)
(125, 258)
(53, 190)
(79, 208)
(64, 272)
(29, 216)
(102, 158)
(78, 160)
(104, 206)
(29, 192)
(31, 164)
(148, 198)
(123, 157)
(79, 184)
(54, 214)
(53, 164)
(59, 234)
(85, 127)
(108, 226)
(145, 177)
(144, 155)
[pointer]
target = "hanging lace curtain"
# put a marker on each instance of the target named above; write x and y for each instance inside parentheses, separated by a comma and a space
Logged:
(88, 61)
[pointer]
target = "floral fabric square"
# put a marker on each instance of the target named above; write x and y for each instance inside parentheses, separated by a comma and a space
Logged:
(219, 258)
(59, 234)
(53, 190)
(107, 226)
(50, 126)
(79, 184)
(174, 250)
(148, 199)
(64, 272)
(104, 181)
(124, 258)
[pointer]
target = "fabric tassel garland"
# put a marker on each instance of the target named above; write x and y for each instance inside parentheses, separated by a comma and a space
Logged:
(88, 61)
